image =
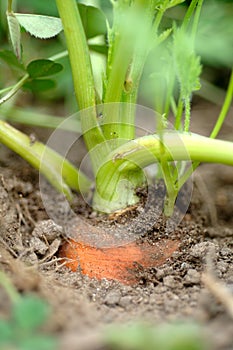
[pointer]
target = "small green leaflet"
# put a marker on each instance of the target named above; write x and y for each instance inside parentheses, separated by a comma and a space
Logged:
(40, 26)
(37, 342)
(14, 31)
(164, 35)
(174, 3)
(22, 329)
(164, 5)
(93, 20)
(99, 48)
(8, 57)
(6, 332)
(45, 27)
(43, 68)
(30, 312)
(187, 63)
(39, 69)
(39, 85)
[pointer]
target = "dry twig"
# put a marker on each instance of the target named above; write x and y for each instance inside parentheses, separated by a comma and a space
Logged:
(220, 292)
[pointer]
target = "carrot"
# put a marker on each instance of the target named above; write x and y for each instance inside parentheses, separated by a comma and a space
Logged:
(116, 263)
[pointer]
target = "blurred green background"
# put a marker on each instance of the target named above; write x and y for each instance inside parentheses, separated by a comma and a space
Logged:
(214, 43)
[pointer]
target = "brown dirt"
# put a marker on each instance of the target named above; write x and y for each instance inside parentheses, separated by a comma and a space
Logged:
(177, 290)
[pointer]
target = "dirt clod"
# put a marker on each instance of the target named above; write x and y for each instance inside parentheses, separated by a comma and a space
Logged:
(192, 277)
(112, 298)
(47, 229)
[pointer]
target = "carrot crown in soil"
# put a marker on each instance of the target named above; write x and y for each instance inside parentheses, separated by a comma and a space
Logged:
(142, 49)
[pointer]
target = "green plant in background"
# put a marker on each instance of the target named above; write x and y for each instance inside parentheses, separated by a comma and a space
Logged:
(22, 331)
(138, 37)
(163, 337)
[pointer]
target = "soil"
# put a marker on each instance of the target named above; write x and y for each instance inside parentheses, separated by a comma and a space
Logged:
(186, 286)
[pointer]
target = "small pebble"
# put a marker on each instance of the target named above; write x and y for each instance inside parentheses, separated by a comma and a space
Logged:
(160, 289)
(172, 282)
(200, 250)
(225, 252)
(38, 245)
(112, 298)
(48, 229)
(125, 301)
(31, 259)
(222, 266)
(192, 277)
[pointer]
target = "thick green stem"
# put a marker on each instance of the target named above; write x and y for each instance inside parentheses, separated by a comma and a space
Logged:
(168, 174)
(169, 203)
(137, 154)
(78, 53)
(127, 55)
(171, 187)
(119, 67)
(9, 6)
(120, 52)
(116, 190)
(82, 75)
(178, 146)
(58, 171)
(119, 58)
(35, 118)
